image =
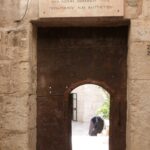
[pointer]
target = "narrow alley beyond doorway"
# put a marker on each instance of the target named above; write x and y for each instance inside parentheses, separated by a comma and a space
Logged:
(90, 99)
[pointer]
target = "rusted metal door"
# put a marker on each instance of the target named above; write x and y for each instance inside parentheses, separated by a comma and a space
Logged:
(71, 55)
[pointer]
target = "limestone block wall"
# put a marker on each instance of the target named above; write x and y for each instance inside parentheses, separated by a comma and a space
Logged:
(138, 128)
(18, 74)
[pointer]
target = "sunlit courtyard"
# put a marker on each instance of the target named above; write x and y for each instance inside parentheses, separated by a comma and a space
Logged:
(82, 141)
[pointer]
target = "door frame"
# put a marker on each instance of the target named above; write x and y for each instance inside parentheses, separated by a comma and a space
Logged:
(90, 81)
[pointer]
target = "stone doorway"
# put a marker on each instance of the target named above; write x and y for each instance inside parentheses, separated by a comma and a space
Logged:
(68, 57)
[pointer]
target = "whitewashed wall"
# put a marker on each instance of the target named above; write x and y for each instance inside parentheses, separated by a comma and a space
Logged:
(90, 97)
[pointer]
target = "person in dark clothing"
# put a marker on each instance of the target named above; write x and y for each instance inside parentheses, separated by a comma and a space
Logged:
(96, 126)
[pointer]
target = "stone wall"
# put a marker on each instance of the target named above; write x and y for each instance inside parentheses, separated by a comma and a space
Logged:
(138, 128)
(18, 74)
(90, 98)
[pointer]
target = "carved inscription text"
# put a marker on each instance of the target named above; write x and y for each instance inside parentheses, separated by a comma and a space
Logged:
(80, 8)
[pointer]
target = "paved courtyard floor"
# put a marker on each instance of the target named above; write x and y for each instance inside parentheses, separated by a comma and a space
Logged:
(82, 141)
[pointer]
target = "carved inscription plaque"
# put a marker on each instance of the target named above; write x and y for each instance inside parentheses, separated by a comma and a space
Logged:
(80, 8)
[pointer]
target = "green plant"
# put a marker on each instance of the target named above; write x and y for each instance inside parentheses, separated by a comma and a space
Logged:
(104, 109)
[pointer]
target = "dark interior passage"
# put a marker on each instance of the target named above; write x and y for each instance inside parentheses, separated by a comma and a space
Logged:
(72, 55)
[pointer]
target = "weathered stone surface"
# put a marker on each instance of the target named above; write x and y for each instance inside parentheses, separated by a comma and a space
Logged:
(21, 72)
(16, 12)
(14, 45)
(15, 77)
(10, 14)
(140, 30)
(32, 112)
(14, 111)
(32, 139)
(139, 60)
(133, 8)
(146, 9)
(138, 128)
(14, 141)
(5, 77)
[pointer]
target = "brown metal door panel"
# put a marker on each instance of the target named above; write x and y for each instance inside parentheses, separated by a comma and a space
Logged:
(70, 55)
(50, 116)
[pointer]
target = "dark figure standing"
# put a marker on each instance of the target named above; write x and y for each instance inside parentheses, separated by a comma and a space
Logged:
(96, 126)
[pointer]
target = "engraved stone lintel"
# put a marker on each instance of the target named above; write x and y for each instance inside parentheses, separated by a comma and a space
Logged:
(80, 8)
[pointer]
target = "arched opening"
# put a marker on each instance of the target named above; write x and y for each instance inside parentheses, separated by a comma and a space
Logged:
(90, 117)
(89, 100)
